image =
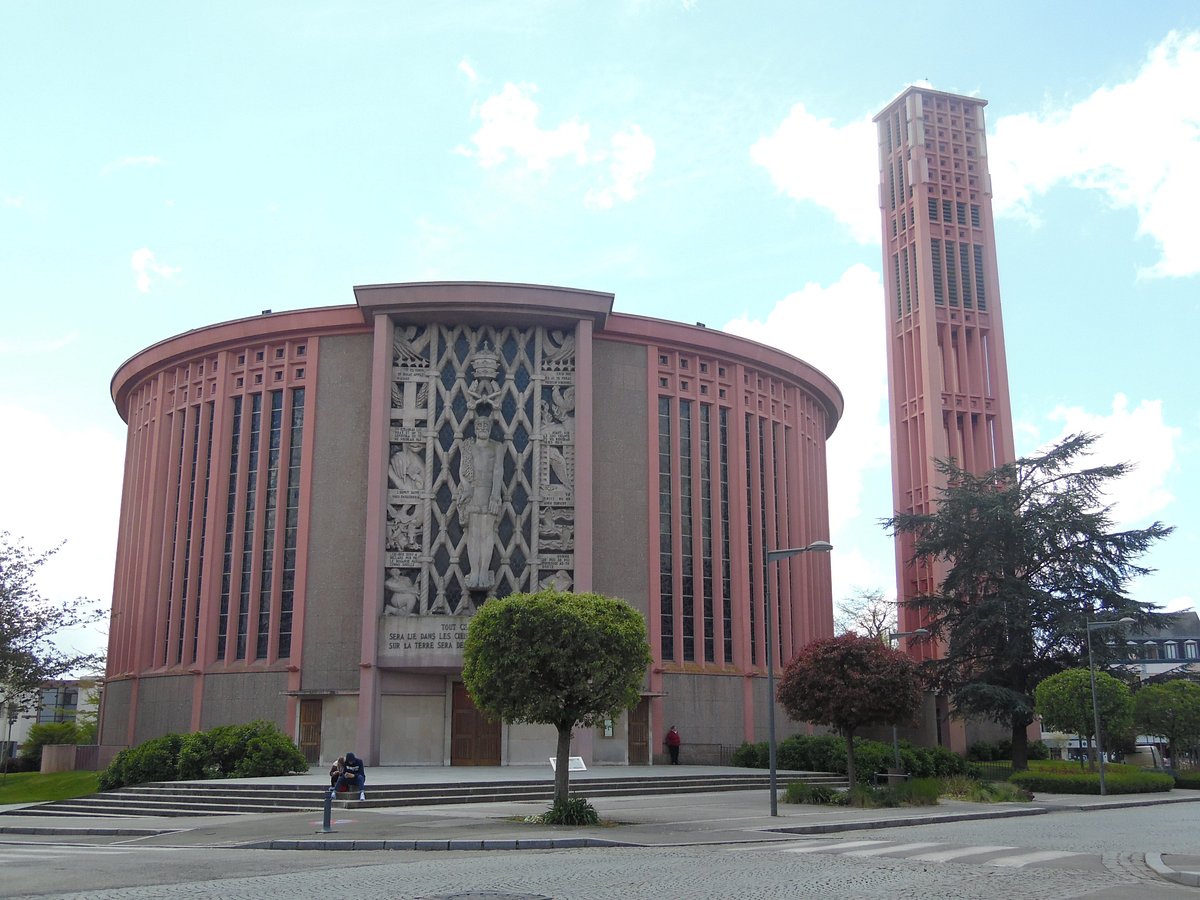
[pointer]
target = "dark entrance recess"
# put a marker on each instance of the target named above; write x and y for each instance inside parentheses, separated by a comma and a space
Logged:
(639, 733)
(474, 741)
(310, 731)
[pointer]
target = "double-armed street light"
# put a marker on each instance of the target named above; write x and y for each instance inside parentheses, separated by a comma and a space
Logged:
(894, 635)
(775, 556)
(1124, 620)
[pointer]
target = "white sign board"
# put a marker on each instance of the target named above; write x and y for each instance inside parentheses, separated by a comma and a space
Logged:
(576, 764)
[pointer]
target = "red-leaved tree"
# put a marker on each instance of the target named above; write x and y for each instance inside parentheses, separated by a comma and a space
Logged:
(847, 682)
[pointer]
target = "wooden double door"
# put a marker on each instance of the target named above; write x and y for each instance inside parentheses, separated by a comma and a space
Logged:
(474, 741)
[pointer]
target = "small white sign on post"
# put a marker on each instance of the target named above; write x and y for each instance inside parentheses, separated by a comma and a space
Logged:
(576, 764)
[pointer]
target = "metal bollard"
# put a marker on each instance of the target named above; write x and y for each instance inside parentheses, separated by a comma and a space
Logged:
(326, 826)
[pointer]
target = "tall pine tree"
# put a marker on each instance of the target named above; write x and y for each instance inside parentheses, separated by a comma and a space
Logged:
(1033, 557)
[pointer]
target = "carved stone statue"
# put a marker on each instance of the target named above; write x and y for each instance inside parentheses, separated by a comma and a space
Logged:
(480, 478)
(401, 593)
(406, 471)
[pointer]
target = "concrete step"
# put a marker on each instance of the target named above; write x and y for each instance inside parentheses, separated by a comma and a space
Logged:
(198, 798)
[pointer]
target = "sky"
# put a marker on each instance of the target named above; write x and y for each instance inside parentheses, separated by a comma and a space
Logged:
(168, 166)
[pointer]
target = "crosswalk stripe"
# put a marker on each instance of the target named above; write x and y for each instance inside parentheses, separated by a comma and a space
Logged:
(836, 845)
(1025, 859)
(947, 855)
(895, 848)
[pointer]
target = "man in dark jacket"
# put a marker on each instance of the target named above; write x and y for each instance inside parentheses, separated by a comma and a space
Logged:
(354, 775)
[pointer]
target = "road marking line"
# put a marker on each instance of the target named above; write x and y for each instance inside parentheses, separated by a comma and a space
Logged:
(808, 848)
(1026, 859)
(947, 855)
(895, 848)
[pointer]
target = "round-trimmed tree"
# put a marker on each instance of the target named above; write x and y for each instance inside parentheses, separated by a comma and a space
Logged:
(1064, 702)
(1171, 711)
(556, 658)
(848, 682)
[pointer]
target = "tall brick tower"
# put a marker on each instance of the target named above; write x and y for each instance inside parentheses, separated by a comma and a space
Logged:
(947, 377)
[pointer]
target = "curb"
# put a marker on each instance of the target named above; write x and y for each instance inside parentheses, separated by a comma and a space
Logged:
(450, 844)
(908, 821)
(1155, 862)
(66, 829)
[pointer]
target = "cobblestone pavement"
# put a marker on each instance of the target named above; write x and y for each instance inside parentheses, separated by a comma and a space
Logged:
(691, 872)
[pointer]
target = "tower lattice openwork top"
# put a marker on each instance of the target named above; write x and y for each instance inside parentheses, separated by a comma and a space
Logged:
(947, 377)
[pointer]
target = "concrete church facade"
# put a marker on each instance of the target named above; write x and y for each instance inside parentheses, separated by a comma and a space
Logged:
(315, 502)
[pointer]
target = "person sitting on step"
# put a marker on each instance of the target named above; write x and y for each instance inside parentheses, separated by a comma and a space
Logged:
(354, 775)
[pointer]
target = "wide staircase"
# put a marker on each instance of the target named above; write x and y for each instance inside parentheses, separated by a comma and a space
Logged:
(199, 798)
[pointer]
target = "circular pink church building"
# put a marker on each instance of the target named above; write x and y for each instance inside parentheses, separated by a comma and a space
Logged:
(315, 503)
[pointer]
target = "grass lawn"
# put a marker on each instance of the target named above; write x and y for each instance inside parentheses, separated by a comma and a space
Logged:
(34, 787)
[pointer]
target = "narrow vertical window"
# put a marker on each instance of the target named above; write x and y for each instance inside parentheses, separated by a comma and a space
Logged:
(951, 273)
(187, 541)
(755, 580)
(245, 588)
(230, 529)
(762, 516)
(270, 505)
(291, 524)
(706, 529)
(964, 266)
(666, 573)
(726, 564)
(687, 582)
(203, 530)
(980, 299)
(181, 417)
(935, 258)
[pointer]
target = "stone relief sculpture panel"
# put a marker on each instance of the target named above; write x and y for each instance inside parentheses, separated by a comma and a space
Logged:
(480, 476)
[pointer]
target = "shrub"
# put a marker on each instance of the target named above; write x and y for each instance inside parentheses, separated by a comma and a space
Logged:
(813, 753)
(265, 751)
(1118, 780)
(983, 751)
(155, 760)
(20, 764)
(946, 763)
(48, 733)
(961, 787)
(1038, 750)
(751, 756)
(822, 794)
(255, 749)
(1190, 780)
(572, 811)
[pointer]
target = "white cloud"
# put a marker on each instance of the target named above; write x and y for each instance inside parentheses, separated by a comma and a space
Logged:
(632, 159)
(22, 347)
(45, 505)
(836, 167)
(510, 127)
(1139, 436)
(144, 266)
(127, 161)
(14, 202)
(467, 69)
(1137, 142)
(840, 330)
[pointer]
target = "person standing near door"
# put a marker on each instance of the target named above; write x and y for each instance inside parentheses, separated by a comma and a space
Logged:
(672, 740)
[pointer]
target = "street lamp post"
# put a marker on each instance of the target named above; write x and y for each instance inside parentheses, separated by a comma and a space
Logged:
(1125, 620)
(893, 635)
(775, 556)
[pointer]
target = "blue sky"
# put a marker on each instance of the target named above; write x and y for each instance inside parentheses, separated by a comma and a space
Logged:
(168, 166)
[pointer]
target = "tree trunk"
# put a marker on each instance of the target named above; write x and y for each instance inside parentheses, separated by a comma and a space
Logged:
(562, 764)
(1020, 744)
(850, 758)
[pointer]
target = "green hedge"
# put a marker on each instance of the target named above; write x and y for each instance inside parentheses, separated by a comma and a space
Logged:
(255, 749)
(1190, 780)
(1117, 780)
(827, 753)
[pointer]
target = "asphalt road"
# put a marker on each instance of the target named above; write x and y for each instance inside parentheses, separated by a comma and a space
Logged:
(1096, 854)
